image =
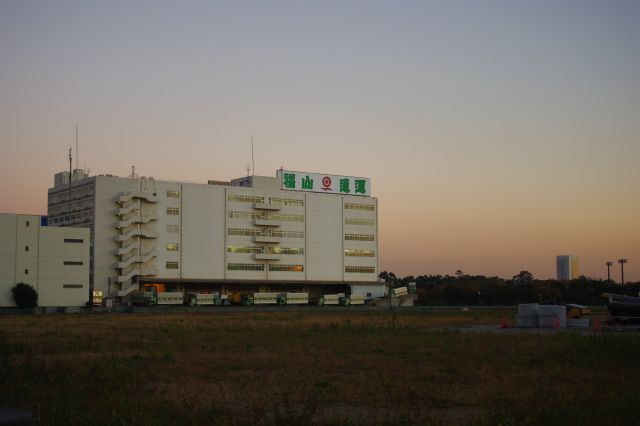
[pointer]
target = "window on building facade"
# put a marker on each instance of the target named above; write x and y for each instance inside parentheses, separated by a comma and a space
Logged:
(359, 237)
(288, 250)
(173, 229)
(245, 199)
(71, 285)
(244, 232)
(286, 217)
(245, 267)
(172, 246)
(358, 206)
(286, 268)
(287, 202)
(358, 221)
(286, 234)
(171, 265)
(360, 269)
(173, 193)
(360, 253)
(26, 272)
(26, 248)
(27, 223)
(245, 215)
(245, 249)
(173, 211)
(73, 263)
(73, 240)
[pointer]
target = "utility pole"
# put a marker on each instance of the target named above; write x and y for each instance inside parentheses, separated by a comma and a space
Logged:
(609, 265)
(622, 262)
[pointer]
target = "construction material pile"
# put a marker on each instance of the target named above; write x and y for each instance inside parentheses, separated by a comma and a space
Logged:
(532, 315)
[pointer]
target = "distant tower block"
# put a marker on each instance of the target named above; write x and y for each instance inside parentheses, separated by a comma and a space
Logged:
(567, 268)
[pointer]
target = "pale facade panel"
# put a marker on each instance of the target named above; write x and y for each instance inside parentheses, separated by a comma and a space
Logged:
(324, 239)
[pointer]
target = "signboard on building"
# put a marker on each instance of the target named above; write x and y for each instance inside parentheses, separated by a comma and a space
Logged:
(318, 182)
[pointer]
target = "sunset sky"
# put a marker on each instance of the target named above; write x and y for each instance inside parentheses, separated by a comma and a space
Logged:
(497, 134)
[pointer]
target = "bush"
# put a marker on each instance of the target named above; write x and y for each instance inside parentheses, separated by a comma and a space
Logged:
(25, 296)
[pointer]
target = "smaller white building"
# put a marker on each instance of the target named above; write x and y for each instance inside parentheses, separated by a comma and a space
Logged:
(53, 260)
(567, 268)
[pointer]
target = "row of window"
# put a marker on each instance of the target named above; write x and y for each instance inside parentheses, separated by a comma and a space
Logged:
(286, 268)
(73, 263)
(172, 246)
(269, 233)
(270, 216)
(81, 191)
(245, 232)
(173, 229)
(85, 216)
(358, 221)
(260, 200)
(260, 267)
(245, 199)
(245, 267)
(358, 206)
(173, 193)
(287, 202)
(259, 250)
(71, 207)
(360, 253)
(74, 240)
(359, 237)
(360, 269)
(245, 249)
(287, 217)
(297, 251)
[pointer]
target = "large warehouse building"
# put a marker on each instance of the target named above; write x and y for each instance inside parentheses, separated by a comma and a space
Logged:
(293, 232)
(54, 261)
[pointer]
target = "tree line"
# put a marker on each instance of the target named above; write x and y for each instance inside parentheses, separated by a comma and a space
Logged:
(477, 290)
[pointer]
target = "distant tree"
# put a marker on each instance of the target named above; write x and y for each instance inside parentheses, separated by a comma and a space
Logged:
(524, 277)
(451, 295)
(25, 296)
(388, 277)
(459, 274)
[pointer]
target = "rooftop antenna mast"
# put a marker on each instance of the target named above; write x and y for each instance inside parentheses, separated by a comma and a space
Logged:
(70, 165)
(77, 154)
(253, 163)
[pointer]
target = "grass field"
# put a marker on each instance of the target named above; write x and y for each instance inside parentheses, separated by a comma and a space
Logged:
(373, 367)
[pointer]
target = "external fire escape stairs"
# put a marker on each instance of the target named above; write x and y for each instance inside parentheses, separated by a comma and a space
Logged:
(134, 225)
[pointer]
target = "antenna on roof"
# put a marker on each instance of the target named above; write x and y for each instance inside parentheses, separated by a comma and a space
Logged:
(70, 166)
(253, 163)
(77, 154)
(248, 168)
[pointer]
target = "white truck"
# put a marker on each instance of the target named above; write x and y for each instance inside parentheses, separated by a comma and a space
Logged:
(170, 298)
(297, 298)
(265, 298)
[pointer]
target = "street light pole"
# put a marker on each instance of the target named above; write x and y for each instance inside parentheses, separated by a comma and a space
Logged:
(609, 265)
(622, 262)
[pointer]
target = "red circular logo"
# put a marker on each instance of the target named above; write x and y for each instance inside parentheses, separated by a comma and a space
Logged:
(326, 182)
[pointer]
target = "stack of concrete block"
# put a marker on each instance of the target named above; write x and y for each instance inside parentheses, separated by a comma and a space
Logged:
(527, 315)
(552, 316)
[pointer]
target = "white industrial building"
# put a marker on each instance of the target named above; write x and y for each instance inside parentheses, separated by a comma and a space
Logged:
(54, 261)
(293, 232)
(567, 268)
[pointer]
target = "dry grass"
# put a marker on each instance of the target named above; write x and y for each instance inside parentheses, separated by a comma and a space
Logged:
(349, 367)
